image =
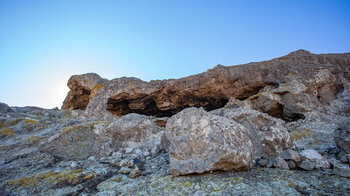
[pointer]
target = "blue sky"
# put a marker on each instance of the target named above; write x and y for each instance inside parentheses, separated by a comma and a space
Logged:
(43, 43)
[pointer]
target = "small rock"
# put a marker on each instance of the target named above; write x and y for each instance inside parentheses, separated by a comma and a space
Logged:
(290, 155)
(134, 173)
(348, 157)
(126, 163)
(263, 162)
(124, 170)
(74, 165)
(280, 163)
(339, 168)
(138, 151)
(117, 154)
(345, 158)
(342, 170)
(270, 163)
(128, 150)
(307, 165)
(334, 162)
(146, 153)
(291, 164)
(92, 158)
(314, 157)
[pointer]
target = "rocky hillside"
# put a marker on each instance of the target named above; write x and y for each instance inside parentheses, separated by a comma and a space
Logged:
(275, 127)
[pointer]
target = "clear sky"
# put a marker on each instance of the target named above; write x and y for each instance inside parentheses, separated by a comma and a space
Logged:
(43, 43)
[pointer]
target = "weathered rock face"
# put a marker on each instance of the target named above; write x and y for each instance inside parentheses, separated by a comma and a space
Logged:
(137, 132)
(292, 78)
(202, 142)
(78, 141)
(268, 134)
(312, 159)
(82, 86)
(342, 137)
(4, 108)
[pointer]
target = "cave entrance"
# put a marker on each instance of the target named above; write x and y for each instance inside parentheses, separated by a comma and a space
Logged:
(279, 111)
(122, 107)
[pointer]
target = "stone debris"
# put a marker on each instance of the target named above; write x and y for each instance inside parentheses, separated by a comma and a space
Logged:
(280, 163)
(310, 155)
(290, 155)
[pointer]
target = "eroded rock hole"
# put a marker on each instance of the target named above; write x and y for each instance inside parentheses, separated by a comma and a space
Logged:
(279, 111)
(148, 106)
(81, 99)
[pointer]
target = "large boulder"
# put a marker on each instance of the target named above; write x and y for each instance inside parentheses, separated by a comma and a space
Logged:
(134, 131)
(267, 133)
(202, 142)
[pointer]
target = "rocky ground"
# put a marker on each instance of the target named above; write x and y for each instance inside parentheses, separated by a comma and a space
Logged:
(279, 127)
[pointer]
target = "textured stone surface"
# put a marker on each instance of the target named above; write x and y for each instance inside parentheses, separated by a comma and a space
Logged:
(135, 131)
(342, 137)
(307, 165)
(280, 163)
(291, 164)
(4, 108)
(202, 142)
(268, 134)
(77, 142)
(290, 155)
(339, 168)
(81, 86)
(262, 181)
(314, 157)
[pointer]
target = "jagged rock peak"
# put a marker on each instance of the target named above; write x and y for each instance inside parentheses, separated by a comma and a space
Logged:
(300, 52)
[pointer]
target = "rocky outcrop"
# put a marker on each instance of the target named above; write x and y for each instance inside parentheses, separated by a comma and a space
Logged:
(82, 87)
(4, 108)
(295, 81)
(127, 136)
(202, 142)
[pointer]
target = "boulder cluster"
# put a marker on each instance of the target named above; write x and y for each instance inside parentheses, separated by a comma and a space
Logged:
(290, 114)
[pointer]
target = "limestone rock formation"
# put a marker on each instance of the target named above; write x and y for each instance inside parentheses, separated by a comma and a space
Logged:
(202, 142)
(292, 78)
(82, 86)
